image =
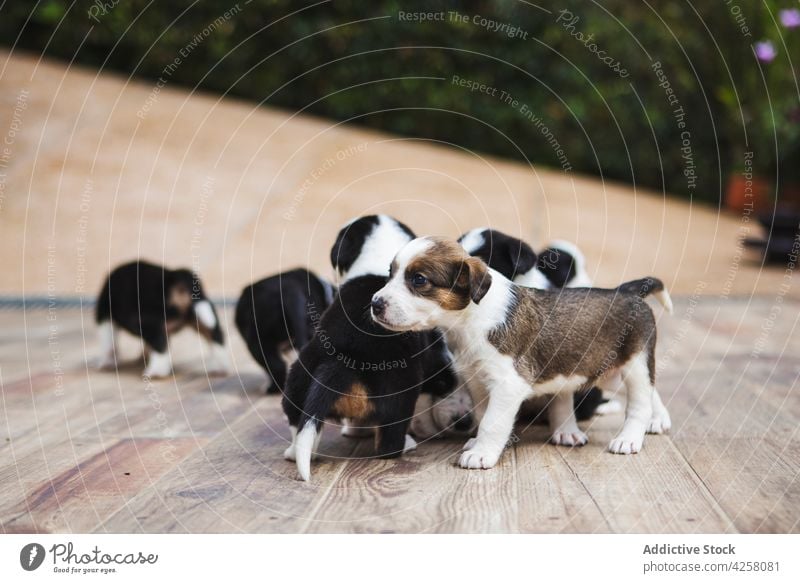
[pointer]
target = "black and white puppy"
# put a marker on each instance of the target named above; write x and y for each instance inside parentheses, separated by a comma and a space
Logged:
(275, 317)
(518, 341)
(560, 265)
(512, 257)
(444, 407)
(354, 369)
(563, 264)
(153, 302)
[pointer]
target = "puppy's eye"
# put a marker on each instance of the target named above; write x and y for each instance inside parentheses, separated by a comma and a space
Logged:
(418, 280)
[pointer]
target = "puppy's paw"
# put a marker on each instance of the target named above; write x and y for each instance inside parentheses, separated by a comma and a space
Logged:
(626, 444)
(160, 366)
(479, 458)
(572, 438)
(410, 445)
(156, 374)
(288, 453)
(105, 363)
(470, 444)
(660, 422)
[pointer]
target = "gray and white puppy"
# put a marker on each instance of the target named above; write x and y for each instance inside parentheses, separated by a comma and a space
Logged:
(518, 341)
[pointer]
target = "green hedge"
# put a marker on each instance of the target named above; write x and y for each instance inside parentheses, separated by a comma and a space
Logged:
(606, 114)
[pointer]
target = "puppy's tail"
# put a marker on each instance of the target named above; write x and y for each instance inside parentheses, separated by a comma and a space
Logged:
(648, 286)
(319, 402)
(304, 448)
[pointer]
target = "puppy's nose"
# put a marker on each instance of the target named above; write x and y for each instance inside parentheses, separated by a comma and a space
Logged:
(463, 423)
(378, 305)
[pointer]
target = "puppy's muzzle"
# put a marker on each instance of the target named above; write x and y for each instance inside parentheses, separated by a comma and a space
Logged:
(378, 306)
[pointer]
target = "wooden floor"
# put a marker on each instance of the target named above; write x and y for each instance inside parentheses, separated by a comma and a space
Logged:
(84, 451)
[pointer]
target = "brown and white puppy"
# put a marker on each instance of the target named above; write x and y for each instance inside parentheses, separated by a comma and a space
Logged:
(517, 341)
(560, 265)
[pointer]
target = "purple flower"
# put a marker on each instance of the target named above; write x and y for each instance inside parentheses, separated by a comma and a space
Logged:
(790, 18)
(765, 51)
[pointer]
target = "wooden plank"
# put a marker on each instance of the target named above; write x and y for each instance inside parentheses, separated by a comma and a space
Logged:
(654, 491)
(20, 475)
(81, 497)
(730, 367)
(44, 413)
(239, 482)
(194, 406)
(42, 409)
(732, 398)
(34, 345)
(40, 412)
(424, 491)
(551, 498)
(755, 480)
(722, 402)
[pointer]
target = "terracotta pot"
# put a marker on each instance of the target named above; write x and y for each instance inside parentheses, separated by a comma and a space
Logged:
(752, 194)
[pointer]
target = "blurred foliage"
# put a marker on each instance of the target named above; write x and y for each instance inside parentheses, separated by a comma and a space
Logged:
(359, 61)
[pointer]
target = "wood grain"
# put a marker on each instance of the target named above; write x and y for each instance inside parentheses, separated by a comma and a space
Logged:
(78, 499)
(21, 475)
(730, 463)
(652, 491)
(424, 491)
(755, 480)
(551, 497)
(239, 482)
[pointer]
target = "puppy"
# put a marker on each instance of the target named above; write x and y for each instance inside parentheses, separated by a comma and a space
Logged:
(518, 341)
(512, 257)
(367, 245)
(153, 302)
(353, 369)
(561, 265)
(275, 318)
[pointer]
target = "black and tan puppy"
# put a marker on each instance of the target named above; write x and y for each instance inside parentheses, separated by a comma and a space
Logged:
(357, 370)
(275, 317)
(153, 302)
(353, 369)
(518, 341)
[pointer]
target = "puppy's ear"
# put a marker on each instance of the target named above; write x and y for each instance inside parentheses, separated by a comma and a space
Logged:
(479, 278)
(342, 252)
